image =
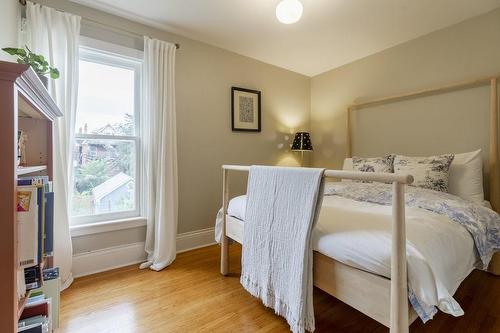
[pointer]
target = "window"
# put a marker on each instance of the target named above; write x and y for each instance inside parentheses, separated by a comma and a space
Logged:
(106, 154)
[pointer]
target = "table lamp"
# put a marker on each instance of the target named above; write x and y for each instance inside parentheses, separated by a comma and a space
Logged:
(302, 143)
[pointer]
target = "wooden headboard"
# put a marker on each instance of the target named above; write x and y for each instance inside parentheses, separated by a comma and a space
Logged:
(494, 179)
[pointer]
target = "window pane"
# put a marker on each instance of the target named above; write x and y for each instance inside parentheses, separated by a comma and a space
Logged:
(104, 176)
(105, 100)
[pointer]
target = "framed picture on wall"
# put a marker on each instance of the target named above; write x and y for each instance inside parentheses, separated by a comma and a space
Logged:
(245, 110)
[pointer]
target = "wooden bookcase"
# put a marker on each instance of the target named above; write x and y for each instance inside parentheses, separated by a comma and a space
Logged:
(24, 104)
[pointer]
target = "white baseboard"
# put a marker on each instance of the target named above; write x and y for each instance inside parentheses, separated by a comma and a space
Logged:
(119, 256)
(195, 239)
(106, 259)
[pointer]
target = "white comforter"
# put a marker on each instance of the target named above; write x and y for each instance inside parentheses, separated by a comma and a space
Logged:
(440, 252)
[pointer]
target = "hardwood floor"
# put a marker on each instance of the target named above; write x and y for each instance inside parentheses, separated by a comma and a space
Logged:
(191, 296)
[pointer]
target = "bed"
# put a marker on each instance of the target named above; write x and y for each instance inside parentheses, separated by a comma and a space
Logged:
(360, 275)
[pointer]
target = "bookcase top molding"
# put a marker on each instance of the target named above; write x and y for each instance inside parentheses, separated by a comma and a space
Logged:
(30, 87)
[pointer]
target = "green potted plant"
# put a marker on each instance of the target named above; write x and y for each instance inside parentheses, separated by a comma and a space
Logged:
(36, 61)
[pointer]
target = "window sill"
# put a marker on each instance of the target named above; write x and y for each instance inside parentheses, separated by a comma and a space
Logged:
(100, 227)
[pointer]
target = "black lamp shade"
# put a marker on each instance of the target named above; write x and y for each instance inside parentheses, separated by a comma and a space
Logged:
(302, 142)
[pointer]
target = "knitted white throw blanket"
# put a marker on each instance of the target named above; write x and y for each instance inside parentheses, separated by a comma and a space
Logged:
(282, 207)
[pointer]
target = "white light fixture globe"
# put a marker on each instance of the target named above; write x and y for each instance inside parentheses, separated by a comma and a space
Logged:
(289, 11)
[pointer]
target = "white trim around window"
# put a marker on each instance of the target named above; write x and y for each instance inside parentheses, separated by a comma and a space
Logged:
(106, 226)
(112, 49)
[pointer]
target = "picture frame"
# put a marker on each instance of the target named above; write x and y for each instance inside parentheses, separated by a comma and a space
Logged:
(245, 110)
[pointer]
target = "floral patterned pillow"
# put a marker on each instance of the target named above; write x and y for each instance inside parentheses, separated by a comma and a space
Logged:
(374, 164)
(428, 172)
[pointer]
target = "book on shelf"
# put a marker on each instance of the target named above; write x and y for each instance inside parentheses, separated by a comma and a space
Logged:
(36, 324)
(35, 298)
(27, 220)
(32, 310)
(49, 224)
(21, 284)
(50, 273)
(33, 277)
(36, 181)
(22, 138)
(40, 198)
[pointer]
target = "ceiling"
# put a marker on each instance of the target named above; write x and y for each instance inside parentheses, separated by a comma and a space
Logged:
(330, 34)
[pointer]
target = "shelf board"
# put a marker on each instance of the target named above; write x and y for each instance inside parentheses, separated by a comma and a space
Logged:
(30, 169)
(22, 303)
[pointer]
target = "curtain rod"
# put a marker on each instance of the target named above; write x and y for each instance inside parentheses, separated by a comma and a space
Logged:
(177, 45)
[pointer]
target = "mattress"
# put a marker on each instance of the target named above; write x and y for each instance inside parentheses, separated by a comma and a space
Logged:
(440, 252)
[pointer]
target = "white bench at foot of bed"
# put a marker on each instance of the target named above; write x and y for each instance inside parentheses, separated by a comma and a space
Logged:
(367, 292)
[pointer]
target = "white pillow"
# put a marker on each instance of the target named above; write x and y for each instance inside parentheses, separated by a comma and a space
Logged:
(466, 176)
(383, 164)
(347, 164)
(430, 172)
(237, 207)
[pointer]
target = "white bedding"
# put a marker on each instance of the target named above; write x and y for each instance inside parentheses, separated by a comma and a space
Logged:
(440, 252)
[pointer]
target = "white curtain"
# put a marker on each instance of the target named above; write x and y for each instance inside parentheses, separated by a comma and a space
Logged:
(55, 35)
(160, 152)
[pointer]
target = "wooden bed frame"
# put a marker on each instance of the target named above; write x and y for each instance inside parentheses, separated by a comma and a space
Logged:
(493, 165)
(383, 299)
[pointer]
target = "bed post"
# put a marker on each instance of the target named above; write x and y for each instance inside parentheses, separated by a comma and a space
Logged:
(348, 137)
(399, 283)
(494, 177)
(224, 243)
(494, 266)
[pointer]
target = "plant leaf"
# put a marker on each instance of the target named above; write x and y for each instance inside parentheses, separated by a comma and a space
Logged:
(35, 67)
(54, 73)
(37, 61)
(9, 50)
(14, 51)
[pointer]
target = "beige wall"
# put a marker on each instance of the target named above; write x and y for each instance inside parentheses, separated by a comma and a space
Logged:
(204, 76)
(9, 14)
(454, 122)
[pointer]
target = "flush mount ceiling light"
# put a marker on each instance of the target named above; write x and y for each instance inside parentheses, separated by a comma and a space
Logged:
(289, 11)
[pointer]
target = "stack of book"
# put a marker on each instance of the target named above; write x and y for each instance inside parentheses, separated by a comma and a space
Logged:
(35, 218)
(36, 315)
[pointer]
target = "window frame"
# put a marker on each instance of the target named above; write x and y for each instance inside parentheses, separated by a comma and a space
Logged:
(118, 56)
